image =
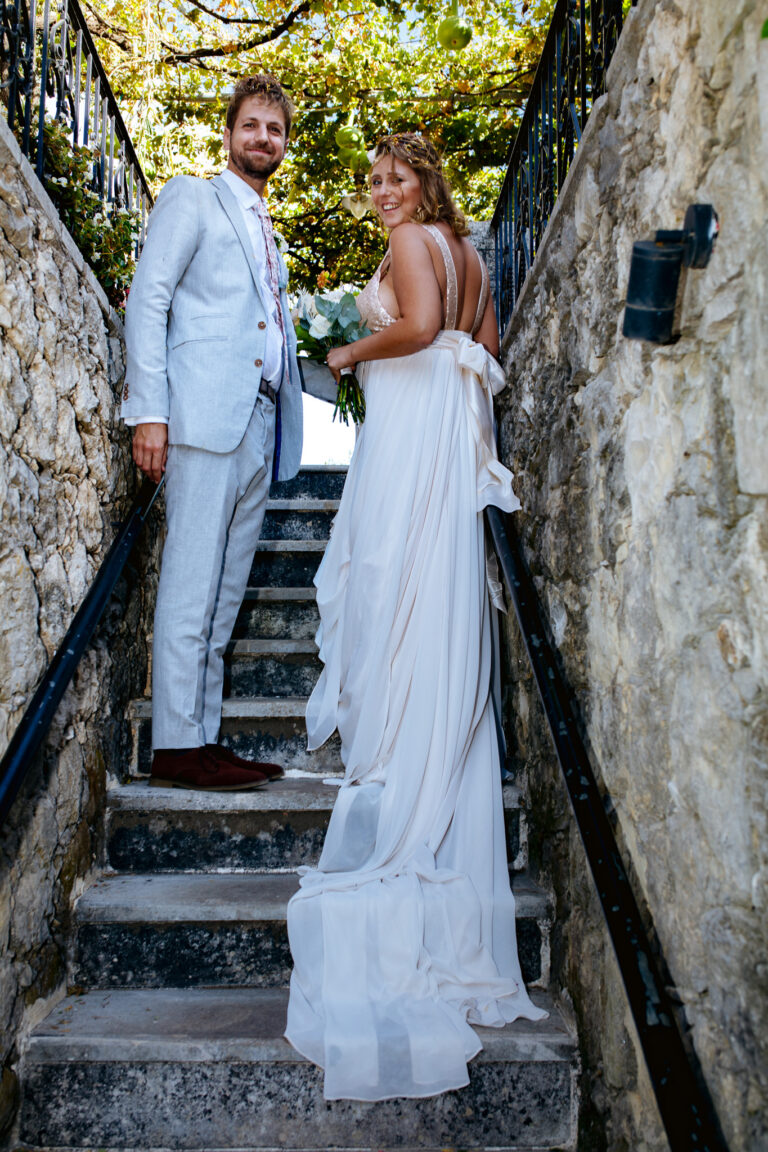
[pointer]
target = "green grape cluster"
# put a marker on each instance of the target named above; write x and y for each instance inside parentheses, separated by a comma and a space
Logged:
(351, 144)
(454, 32)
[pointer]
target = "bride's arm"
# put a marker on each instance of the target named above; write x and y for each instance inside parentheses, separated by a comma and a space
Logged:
(418, 299)
(488, 332)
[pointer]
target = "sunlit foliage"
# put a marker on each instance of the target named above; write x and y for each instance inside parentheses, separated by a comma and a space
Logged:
(172, 63)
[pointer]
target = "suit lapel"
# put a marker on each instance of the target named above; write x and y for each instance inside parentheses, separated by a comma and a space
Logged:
(234, 212)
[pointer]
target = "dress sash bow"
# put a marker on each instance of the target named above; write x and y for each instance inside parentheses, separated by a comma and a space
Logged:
(483, 379)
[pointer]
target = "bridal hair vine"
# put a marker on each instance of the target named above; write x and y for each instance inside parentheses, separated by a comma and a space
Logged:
(415, 150)
(420, 154)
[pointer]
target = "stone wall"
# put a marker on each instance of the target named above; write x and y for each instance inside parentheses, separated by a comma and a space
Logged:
(643, 473)
(65, 479)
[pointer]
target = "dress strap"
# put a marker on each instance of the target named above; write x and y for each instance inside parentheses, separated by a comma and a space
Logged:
(451, 283)
(484, 293)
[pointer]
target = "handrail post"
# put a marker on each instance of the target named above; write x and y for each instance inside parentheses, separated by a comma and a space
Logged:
(43, 84)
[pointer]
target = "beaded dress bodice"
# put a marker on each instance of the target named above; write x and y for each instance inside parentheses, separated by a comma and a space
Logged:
(376, 316)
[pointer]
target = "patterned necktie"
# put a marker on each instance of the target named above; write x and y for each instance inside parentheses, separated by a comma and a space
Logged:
(270, 248)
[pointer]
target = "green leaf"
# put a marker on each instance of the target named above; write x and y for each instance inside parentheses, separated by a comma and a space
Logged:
(764, 33)
(328, 308)
(348, 313)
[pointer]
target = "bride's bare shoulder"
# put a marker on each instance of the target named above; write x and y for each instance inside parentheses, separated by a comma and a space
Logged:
(407, 236)
(410, 250)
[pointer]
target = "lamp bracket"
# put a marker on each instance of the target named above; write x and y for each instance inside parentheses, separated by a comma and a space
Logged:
(697, 236)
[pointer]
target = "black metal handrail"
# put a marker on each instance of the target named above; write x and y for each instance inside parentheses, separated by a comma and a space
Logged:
(686, 1110)
(55, 59)
(37, 718)
(571, 74)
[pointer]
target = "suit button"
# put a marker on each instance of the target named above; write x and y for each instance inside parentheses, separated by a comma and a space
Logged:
(262, 323)
(258, 363)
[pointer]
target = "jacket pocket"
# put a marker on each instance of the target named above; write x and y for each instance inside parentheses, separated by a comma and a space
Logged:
(210, 327)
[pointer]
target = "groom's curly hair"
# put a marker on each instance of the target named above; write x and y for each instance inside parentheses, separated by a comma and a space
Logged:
(420, 154)
(268, 89)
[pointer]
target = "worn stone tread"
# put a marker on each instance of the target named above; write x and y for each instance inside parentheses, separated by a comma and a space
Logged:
(380, 1147)
(267, 646)
(280, 594)
(213, 897)
(310, 468)
(201, 1025)
(278, 647)
(294, 793)
(303, 504)
(291, 545)
(243, 708)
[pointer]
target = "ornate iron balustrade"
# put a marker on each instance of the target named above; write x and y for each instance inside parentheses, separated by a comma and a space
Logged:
(571, 75)
(49, 68)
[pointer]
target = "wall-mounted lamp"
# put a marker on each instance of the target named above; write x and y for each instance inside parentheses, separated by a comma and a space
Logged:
(654, 273)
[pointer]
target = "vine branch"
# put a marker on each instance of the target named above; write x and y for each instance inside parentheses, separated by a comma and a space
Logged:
(274, 33)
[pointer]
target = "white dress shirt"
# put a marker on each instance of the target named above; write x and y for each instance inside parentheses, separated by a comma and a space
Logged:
(273, 347)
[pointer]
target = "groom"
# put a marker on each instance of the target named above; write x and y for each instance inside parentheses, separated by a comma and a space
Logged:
(212, 388)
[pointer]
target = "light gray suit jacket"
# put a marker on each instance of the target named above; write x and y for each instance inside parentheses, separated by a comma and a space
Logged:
(195, 326)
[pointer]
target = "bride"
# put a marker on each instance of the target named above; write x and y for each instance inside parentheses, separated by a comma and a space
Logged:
(404, 935)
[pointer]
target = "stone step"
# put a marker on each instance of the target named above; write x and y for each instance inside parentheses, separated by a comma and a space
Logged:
(175, 830)
(313, 482)
(272, 668)
(279, 827)
(207, 1069)
(257, 727)
(299, 519)
(286, 563)
(278, 613)
(192, 930)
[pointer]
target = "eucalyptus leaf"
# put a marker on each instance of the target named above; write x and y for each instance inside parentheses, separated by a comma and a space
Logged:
(327, 308)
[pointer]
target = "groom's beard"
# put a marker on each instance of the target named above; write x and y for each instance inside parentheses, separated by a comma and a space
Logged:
(259, 164)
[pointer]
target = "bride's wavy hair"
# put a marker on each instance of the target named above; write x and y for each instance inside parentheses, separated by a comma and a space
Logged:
(421, 155)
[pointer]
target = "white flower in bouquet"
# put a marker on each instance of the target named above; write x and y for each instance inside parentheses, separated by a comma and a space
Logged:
(320, 327)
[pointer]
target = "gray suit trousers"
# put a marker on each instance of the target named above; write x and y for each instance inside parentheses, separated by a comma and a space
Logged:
(215, 505)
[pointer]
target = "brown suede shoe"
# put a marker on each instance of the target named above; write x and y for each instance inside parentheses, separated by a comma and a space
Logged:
(226, 756)
(196, 768)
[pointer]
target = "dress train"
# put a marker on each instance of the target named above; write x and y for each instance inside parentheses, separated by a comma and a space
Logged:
(404, 935)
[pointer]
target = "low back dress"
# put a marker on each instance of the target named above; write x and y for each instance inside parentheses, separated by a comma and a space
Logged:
(404, 934)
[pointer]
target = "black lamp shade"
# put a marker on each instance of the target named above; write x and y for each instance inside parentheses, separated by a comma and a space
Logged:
(654, 276)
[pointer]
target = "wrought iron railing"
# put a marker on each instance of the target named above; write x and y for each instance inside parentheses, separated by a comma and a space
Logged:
(681, 1093)
(34, 724)
(50, 69)
(570, 76)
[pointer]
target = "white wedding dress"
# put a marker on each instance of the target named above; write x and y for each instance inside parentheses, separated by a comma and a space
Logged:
(404, 934)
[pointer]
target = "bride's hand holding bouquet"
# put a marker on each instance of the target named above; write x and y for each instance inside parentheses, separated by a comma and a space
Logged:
(340, 359)
(323, 322)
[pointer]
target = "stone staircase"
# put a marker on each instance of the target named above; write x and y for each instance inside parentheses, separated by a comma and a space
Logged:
(171, 1037)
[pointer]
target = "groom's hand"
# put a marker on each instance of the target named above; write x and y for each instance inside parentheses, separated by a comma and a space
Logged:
(150, 449)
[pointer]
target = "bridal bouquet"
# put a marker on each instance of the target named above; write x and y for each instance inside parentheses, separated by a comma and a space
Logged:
(324, 321)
